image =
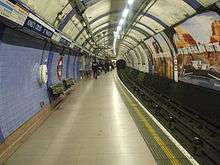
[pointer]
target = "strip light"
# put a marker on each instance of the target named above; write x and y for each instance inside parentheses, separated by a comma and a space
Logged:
(121, 23)
(125, 13)
(119, 28)
(130, 2)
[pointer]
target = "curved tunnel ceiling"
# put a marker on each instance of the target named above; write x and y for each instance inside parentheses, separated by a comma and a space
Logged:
(91, 22)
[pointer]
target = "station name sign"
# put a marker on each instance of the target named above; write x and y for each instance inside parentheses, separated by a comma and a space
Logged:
(37, 27)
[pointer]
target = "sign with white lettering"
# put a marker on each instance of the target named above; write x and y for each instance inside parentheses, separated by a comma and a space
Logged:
(37, 27)
(200, 62)
(201, 48)
(209, 48)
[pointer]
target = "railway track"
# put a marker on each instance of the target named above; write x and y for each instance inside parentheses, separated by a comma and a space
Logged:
(200, 137)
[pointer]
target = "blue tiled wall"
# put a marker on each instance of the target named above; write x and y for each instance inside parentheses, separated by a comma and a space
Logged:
(71, 68)
(49, 66)
(65, 60)
(77, 68)
(20, 92)
(56, 57)
(67, 67)
(2, 29)
(74, 69)
(21, 96)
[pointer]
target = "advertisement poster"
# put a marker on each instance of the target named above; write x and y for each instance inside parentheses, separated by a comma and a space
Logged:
(197, 41)
(12, 12)
(166, 54)
(162, 58)
(158, 61)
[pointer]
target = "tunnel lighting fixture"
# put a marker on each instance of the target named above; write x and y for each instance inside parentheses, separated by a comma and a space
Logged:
(120, 25)
(116, 34)
(130, 2)
(119, 28)
(125, 13)
(121, 22)
(114, 45)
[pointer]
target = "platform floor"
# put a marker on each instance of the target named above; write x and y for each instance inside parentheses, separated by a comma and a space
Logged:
(91, 127)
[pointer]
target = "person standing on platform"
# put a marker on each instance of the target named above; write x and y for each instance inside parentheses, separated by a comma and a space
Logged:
(95, 68)
(106, 66)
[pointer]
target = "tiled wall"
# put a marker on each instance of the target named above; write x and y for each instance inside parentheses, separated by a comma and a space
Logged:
(70, 70)
(77, 68)
(67, 73)
(56, 57)
(65, 60)
(21, 96)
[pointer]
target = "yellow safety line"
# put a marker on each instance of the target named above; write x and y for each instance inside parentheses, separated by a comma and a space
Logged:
(154, 134)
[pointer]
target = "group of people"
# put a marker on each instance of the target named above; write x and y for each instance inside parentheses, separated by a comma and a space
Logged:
(99, 67)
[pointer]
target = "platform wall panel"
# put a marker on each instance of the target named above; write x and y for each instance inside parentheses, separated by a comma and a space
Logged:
(21, 95)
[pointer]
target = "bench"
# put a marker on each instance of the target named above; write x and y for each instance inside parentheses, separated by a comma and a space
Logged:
(57, 89)
(68, 83)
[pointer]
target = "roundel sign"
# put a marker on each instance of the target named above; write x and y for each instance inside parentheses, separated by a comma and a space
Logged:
(60, 68)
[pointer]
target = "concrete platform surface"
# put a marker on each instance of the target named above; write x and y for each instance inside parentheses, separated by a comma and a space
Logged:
(91, 127)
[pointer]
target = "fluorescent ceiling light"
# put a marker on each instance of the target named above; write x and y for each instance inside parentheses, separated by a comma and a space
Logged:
(116, 35)
(121, 22)
(119, 28)
(114, 45)
(125, 13)
(130, 2)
